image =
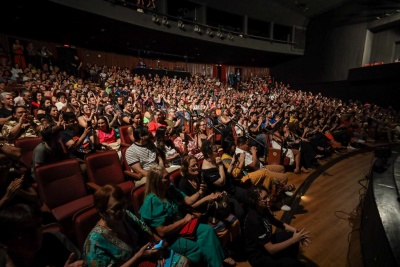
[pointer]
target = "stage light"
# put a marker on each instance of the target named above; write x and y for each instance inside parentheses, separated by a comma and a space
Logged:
(165, 21)
(181, 25)
(219, 34)
(230, 36)
(209, 32)
(197, 28)
(155, 19)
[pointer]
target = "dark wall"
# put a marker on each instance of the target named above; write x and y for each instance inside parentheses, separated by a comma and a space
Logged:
(330, 52)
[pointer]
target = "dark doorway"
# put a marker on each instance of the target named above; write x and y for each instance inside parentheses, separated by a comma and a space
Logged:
(219, 72)
(65, 57)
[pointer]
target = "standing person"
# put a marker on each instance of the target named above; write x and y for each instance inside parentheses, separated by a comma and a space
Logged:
(76, 66)
(161, 210)
(45, 56)
(31, 54)
(18, 50)
(263, 247)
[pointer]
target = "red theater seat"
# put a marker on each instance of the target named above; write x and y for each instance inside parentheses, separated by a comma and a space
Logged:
(62, 188)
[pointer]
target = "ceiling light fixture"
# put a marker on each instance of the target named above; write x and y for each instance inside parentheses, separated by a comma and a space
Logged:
(197, 29)
(181, 25)
(165, 21)
(155, 19)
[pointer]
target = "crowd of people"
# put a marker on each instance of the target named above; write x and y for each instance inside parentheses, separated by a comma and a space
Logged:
(217, 136)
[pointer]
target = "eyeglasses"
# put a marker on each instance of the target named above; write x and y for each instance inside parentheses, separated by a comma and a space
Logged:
(117, 210)
(264, 198)
(202, 124)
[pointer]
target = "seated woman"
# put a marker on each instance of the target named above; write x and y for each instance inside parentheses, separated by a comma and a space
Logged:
(119, 237)
(161, 210)
(185, 143)
(264, 248)
(88, 116)
(200, 133)
(190, 184)
(105, 136)
(136, 121)
(214, 175)
(166, 147)
(43, 106)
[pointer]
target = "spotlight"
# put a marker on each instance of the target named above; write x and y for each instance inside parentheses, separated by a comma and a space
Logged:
(219, 34)
(197, 28)
(165, 21)
(181, 25)
(230, 36)
(209, 32)
(155, 19)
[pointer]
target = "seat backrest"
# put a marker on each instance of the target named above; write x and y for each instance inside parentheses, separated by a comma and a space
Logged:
(124, 163)
(175, 176)
(104, 168)
(123, 134)
(27, 145)
(137, 196)
(60, 182)
(84, 221)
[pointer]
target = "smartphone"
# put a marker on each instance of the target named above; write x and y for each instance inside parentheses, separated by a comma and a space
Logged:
(89, 123)
(156, 246)
(159, 244)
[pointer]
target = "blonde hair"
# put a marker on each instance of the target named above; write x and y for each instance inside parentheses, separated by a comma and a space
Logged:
(154, 176)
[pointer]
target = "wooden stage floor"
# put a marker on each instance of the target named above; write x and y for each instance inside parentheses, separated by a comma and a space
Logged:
(327, 202)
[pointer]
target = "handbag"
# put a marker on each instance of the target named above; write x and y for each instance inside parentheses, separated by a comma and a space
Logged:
(189, 230)
(221, 208)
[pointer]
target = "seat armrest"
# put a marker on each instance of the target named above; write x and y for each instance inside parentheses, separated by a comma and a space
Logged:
(125, 145)
(93, 186)
(133, 175)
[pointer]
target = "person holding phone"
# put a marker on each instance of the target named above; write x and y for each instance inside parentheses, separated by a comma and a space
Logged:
(119, 238)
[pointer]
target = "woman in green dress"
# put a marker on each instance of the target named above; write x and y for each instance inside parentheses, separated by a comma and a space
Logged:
(161, 210)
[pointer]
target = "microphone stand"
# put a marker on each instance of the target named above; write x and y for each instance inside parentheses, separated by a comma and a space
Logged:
(210, 125)
(191, 118)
